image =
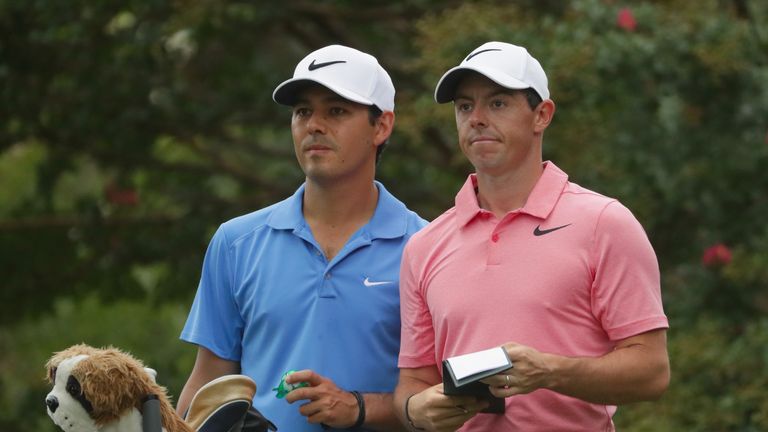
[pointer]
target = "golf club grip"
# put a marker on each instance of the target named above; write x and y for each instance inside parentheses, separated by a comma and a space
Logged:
(151, 420)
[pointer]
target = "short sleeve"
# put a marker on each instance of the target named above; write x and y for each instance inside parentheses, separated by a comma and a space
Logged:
(417, 336)
(626, 293)
(214, 320)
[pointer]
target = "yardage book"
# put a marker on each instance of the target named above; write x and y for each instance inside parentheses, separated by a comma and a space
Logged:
(462, 375)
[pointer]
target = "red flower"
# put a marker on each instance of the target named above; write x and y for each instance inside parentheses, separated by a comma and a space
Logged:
(716, 255)
(625, 20)
(121, 196)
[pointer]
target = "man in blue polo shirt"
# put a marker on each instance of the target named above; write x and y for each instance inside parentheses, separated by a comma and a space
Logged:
(311, 283)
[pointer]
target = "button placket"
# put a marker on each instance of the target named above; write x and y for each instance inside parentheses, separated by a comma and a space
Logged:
(494, 256)
(327, 289)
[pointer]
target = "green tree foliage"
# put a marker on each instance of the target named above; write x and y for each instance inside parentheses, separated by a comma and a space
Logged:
(147, 123)
(129, 131)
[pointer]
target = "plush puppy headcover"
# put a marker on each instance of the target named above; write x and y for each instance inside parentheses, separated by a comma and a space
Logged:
(108, 384)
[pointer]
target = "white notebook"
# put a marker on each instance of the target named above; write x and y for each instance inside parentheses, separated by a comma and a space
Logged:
(477, 365)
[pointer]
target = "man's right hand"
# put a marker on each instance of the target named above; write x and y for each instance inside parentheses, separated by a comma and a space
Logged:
(433, 411)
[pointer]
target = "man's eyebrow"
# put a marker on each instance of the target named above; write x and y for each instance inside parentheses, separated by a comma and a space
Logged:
(496, 93)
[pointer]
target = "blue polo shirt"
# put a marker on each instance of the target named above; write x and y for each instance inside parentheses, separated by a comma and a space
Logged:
(269, 299)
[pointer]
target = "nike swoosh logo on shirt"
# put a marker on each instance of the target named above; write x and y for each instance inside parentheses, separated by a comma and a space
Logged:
(369, 283)
(539, 232)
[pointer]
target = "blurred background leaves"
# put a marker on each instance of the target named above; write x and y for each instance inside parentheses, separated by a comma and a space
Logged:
(130, 130)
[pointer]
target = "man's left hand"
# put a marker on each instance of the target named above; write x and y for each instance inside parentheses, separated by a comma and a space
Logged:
(328, 404)
(529, 372)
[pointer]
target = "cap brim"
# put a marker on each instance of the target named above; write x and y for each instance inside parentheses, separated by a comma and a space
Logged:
(287, 93)
(446, 87)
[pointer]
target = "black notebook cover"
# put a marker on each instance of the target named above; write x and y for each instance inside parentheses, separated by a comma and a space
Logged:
(475, 388)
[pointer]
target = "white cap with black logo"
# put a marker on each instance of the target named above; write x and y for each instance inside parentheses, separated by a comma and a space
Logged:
(507, 65)
(352, 74)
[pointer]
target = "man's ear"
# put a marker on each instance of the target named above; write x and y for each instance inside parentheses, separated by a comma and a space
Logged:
(384, 125)
(543, 115)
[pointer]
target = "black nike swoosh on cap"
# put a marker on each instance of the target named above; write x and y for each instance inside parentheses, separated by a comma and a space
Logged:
(313, 65)
(480, 52)
(540, 232)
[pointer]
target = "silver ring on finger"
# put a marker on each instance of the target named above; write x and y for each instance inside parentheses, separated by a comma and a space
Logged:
(506, 377)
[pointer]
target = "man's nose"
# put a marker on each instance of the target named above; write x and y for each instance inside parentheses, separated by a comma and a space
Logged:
(52, 403)
(478, 118)
(316, 124)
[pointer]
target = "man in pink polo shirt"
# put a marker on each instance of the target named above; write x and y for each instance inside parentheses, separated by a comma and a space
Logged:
(563, 278)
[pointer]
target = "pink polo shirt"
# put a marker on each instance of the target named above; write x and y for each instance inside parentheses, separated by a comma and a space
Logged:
(570, 273)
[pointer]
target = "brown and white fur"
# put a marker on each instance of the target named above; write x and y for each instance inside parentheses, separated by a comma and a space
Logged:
(102, 390)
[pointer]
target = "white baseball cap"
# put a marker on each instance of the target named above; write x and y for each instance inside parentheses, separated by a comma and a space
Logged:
(352, 74)
(507, 65)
